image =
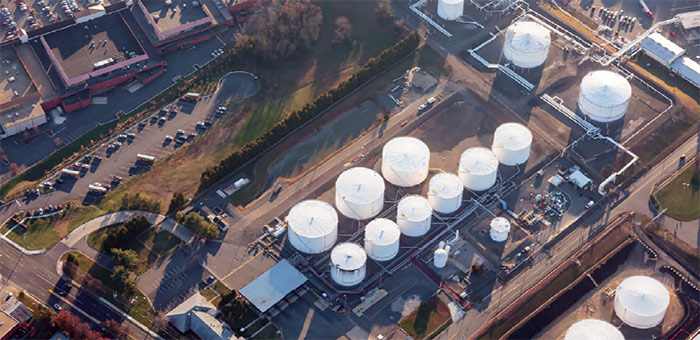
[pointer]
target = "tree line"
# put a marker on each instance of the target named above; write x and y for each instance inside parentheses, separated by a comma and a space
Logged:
(371, 68)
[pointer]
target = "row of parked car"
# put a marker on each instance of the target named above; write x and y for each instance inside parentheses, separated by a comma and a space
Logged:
(46, 210)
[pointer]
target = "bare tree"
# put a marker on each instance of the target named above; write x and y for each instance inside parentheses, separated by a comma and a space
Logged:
(279, 29)
(343, 30)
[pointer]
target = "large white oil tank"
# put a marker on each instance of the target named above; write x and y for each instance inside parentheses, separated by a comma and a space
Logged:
(604, 96)
(348, 264)
(527, 44)
(500, 228)
(405, 161)
(359, 193)
(450, 9)
(478, 169)
(413, 215)
(511, 143)
(445, 192)
(641, 301)
(313, 226)
(593, 329)
(382, 239)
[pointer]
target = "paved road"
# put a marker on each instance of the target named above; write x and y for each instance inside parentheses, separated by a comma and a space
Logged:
(148, 140)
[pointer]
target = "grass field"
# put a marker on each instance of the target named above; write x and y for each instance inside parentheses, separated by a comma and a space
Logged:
(45, 232)
(430, 317)
(141, 310)
(150, 245)
(681, 196)
(283, 88)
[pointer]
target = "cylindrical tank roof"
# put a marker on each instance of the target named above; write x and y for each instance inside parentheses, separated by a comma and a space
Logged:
(450, 9)
(604, 95)
(445, 192)
(405, 161)
(511, 143)
(478, 168)
(641, 301)
(593, 329)
(500, 228)
(382, 239)
(359, 193)
(313, 226)
(527, 44)
(414, 215)
(348, 256)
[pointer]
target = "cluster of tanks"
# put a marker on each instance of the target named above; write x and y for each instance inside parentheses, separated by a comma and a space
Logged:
(359, 195)
(603, 96)
(640, 302)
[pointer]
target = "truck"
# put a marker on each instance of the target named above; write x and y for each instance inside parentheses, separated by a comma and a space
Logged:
(71, 173)
(191, 96)
(646, 9)
(97, 189)
(145, 158)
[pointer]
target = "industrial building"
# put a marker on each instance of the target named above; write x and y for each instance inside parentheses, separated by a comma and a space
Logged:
(197, 315)
(690, 25)
(661, 49)
(19, 96)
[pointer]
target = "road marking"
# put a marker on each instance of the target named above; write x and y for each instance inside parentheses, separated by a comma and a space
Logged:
(241, 266)
(76, 307)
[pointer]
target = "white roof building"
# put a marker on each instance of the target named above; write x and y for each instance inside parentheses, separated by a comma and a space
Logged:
(661, 49)
(688, 69)
(690, 24)
(197, 314)
(273, 285)
(578, 179)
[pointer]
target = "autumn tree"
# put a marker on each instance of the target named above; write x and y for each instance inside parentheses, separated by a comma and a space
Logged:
(383, 12)
(119, 331)
(14, 169)
(343, 30)
(281, 28)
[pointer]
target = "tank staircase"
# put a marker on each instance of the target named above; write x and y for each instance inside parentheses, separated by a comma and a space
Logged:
(558, 105)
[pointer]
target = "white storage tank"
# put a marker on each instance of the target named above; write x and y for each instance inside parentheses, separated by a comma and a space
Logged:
(500, 228)
(511, 143)
(440, 256)
(382, 239)
(405, 161)
(450, 9)
(478, 169)
(527, 44)
(445, 193)
(359, 193)
(313, 226)
(348, 264)
(593, 329)
(413, 215)
(641, 301)
(604, 96)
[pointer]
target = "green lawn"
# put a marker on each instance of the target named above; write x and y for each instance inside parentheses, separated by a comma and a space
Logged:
(150, 245)
(220, 288)
(141, 310)
(268, 333)
(425, 322)
(209, 294)
(681, 196)
(259, 120)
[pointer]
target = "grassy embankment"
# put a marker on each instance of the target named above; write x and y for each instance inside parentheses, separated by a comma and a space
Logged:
(428, 320)
(681, 195)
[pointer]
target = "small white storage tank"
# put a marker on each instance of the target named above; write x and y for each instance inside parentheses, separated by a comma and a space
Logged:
(445, 193)
(405, 161)
(500, 227)
(359, 193)
(527, 44)
(511, 143)
(440, 257)
(348, 264)
(413, 215)
(593, 329)
(450, 9)
(478, 169)
(641, 301)
(313, 226)
(382, 239)
(604, 96)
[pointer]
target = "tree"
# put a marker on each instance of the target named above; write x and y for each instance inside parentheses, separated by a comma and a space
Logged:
(14, 169)
(279, 29)
(73, 327)
(383, 12)
(125, 257)
(179, 216)
(124, 281)
(209, 231)
(42, 328)
(119, 331)
(233, 309)
(177, 202)
(202, 227)
(343, 30)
